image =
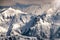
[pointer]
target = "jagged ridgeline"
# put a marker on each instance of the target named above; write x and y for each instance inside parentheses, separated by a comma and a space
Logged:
(18, 25)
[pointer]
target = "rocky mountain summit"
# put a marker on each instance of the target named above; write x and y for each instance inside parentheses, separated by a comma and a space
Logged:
(43, 25)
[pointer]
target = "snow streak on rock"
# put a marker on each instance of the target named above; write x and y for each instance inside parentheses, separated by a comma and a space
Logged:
(39, 24)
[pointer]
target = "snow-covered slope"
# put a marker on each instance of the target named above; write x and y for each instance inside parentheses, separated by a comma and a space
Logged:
(36, 23)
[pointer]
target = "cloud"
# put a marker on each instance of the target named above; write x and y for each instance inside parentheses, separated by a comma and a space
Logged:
(25, 2)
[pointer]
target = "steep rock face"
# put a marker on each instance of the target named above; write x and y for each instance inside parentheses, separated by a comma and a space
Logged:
(19, 19)
(41, 26)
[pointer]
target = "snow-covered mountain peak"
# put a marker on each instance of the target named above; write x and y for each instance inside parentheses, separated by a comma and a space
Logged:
(11, 12)
(29, 24)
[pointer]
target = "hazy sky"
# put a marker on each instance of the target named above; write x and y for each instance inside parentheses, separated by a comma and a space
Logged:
(25, 2)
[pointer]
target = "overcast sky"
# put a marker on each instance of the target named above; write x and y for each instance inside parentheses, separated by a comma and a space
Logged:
(25, 2)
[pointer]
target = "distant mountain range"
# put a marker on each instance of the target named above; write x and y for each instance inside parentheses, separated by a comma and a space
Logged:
(35, 21)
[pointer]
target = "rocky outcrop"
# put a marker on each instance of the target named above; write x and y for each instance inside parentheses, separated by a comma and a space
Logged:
(42, 26)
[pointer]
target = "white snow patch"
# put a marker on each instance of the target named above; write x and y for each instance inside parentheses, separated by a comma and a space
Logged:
(3, 30)
(11, 12)
(16, 26)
